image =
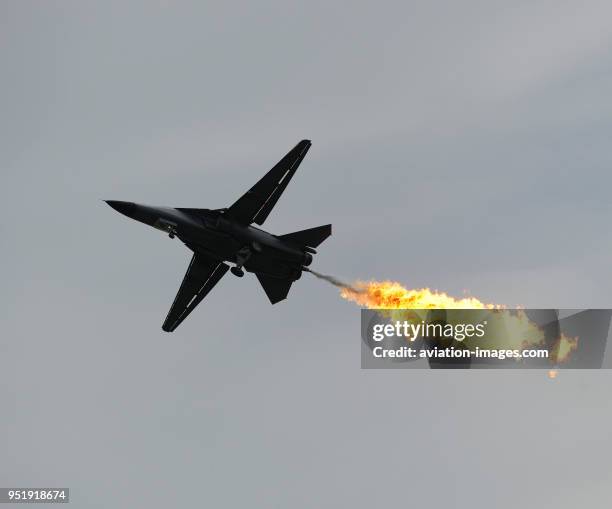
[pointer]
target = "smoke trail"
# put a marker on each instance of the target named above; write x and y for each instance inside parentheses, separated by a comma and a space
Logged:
(334, 281)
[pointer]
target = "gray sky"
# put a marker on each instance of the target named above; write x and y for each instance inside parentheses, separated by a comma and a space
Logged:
(456, 145)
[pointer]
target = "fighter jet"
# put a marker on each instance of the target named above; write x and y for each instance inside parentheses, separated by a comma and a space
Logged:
(221, 236)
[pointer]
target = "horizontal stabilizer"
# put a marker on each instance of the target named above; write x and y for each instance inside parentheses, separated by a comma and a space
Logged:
(311, 237)
(276, 289)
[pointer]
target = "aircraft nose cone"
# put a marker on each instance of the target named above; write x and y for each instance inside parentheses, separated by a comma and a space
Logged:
(124, 207)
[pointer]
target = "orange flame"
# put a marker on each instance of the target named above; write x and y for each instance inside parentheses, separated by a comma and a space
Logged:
(391, 295)
(563, 348)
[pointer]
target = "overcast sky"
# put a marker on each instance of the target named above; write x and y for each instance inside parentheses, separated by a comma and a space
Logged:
(456, 145)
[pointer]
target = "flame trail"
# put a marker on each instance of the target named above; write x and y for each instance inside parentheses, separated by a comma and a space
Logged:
(564, 347)
(391, 295)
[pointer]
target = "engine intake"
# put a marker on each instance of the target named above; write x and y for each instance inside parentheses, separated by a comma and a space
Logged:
(307, 259)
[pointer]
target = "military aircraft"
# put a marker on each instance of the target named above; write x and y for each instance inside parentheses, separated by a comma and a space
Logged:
(217, 236)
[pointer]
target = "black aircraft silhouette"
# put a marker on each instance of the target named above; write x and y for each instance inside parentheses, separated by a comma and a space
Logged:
(226, 235)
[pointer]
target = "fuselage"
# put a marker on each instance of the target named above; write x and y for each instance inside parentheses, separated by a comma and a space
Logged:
(214, 233)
